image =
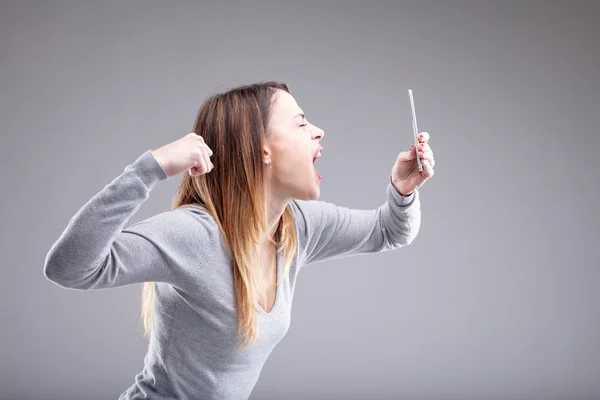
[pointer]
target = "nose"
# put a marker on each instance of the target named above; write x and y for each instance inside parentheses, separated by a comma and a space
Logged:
(318, 133)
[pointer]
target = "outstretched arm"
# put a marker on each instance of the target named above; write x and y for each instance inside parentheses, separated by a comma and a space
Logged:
(329, 231)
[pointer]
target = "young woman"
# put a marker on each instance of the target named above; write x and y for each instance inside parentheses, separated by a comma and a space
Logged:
(219, 268)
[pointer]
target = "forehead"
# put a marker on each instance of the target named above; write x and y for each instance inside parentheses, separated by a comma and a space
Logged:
(284, 106)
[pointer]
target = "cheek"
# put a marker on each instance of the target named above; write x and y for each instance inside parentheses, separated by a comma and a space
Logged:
(294, 166)
(294, 155)
(293, 162)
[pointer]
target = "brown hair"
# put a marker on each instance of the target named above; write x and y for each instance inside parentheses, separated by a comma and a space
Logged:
(234, 125)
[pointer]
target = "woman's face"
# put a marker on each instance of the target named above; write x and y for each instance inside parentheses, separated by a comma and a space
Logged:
(292, 144)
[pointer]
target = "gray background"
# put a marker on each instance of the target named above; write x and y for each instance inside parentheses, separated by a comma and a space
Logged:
(497, 298)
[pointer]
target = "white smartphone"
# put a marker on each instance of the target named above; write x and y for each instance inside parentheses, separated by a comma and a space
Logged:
(415, 129)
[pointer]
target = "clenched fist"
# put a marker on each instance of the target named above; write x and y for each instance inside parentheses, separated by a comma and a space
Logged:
(188, 153)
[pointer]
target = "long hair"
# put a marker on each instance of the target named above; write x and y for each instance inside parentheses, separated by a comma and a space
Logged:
(234, 125)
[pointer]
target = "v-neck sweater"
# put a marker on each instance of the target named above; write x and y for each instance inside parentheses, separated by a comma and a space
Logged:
(192, 350)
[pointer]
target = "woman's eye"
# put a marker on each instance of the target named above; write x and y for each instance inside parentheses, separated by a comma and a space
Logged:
(303, 124)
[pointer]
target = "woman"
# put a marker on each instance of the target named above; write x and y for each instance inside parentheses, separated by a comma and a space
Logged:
(219, 268)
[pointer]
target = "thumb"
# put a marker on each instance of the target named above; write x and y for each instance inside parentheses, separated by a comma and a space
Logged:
(408, 155)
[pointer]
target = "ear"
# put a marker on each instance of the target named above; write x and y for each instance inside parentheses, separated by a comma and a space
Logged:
(266, 155)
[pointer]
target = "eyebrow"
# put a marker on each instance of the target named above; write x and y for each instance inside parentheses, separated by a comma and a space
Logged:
(299, 115)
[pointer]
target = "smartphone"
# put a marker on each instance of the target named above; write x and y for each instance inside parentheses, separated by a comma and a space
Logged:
(415, 129)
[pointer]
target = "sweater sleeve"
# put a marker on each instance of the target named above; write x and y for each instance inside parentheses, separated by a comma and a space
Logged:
(327, 231)
(94, 251)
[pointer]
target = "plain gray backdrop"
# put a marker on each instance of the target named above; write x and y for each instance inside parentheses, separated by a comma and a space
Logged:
(497, 298)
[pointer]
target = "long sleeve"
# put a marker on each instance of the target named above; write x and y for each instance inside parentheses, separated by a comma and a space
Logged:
(328, 231)
(94, 251)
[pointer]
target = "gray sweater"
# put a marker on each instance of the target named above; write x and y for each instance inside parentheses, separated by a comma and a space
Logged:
(192, 351)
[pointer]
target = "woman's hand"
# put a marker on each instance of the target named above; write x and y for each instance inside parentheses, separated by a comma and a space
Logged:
(187, 153)
(406, 176)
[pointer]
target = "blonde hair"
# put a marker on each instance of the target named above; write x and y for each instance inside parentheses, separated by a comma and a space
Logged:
(234, 125)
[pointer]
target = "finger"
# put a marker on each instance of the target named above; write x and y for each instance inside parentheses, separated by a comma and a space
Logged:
(200, 167)
(431, 161)
(210, 152)
(424, 137)
(196, 171)
(428, 170)
(201, 164)
(426, 154)
(424, 147)
(425, 150)
(428, 159)
(207, 152)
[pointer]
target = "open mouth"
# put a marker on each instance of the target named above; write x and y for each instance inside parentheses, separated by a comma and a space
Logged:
(317, 155)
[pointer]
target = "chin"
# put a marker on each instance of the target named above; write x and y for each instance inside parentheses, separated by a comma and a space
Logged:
(312, 194)
(310, 190)
(307, 196)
